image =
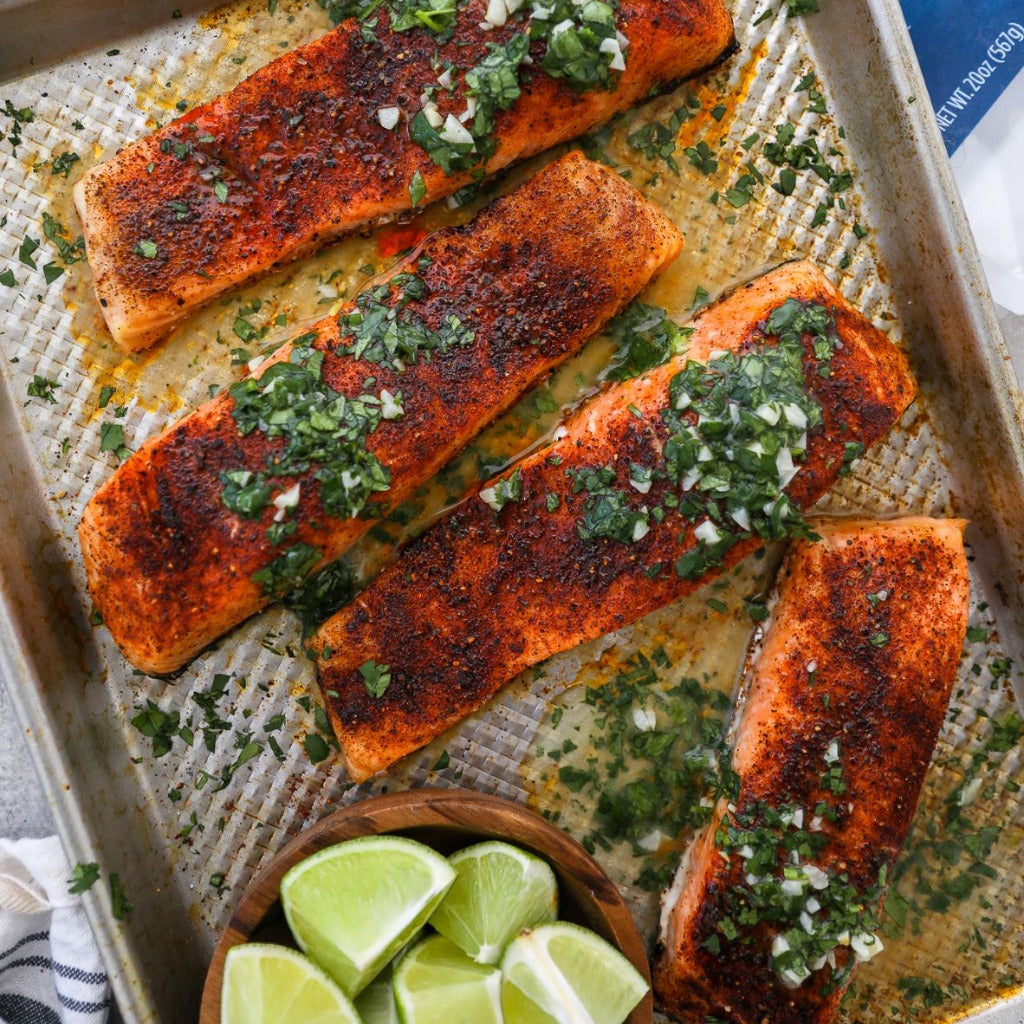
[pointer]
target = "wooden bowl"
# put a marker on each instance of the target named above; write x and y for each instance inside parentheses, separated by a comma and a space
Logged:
(447, 820)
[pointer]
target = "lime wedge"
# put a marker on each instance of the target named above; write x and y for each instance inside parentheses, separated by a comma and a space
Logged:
(352, 906)
(499, 890)
(376, 1003)
(563, 974)
(265, 984)
(436, 983)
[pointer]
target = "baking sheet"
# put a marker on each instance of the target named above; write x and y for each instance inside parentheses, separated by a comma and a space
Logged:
(182, 857)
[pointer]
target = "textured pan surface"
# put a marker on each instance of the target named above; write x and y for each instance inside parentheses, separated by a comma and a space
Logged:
(181, 859)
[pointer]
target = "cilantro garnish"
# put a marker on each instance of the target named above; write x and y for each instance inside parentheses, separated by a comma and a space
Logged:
(811, 911)
(657, 141)
(802, 7)
(383, 334)
(246, 493)
(40, 387)
(582, 42)
(701, 157)
(417, 189)
(112, 440)
(607, 512)
(160, 726)
(494, 83)
(26, 249)
(62, 163)
(19, 116)
(436, 16)
(376, 677)
(321, 595)
(316, 747)
(120, 905)
(508, 488)
(83, 876)
(59, 236)
(288, 571)
(319, 426)
(738, 430)
(644, 337)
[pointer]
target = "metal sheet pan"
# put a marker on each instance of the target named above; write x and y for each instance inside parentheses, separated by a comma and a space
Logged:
(960, 452)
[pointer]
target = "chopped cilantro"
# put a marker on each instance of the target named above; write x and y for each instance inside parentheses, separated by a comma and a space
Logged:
(320, 426)
(508, 488)
(26, 249)
(112, 440)
(40, 387)
(383, 332)
(644, 337)
(59, 236)
(702, 158)
(417, 189)
(83, 876)
(582, 44)
(246, 493)
(120, 905)
(288, 571)
(658, 141)
(159, 726)
(376, 678)
(607, 511)
(62, 163)
(147, 249)
(321, 595)
(316, 747)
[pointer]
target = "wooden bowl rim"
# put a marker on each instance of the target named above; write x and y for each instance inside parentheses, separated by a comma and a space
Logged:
(490, 816)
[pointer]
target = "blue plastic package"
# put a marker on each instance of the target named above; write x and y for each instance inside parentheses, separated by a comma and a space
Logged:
(969, 53)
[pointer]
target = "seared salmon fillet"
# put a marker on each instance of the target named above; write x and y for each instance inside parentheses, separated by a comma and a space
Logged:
(846, 698)
(630, 509)
(288, 468)
(318, 143)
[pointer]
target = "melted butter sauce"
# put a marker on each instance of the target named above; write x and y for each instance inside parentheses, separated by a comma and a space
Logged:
(700, 641)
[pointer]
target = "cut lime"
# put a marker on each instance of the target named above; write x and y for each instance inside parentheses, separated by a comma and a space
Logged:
(352, 906)
(562, 974)
(436, 983)
(265, 984)
(376, 1003)
(499, 890)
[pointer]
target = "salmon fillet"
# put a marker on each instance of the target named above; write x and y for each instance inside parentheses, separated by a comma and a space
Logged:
(483, 312)
(297, 155)
(846, 699)
(482, 596)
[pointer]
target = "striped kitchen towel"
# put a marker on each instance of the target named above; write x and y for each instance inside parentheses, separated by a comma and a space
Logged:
(50, 968)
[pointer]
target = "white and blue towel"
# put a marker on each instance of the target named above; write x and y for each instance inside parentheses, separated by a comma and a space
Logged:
(50, 968)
